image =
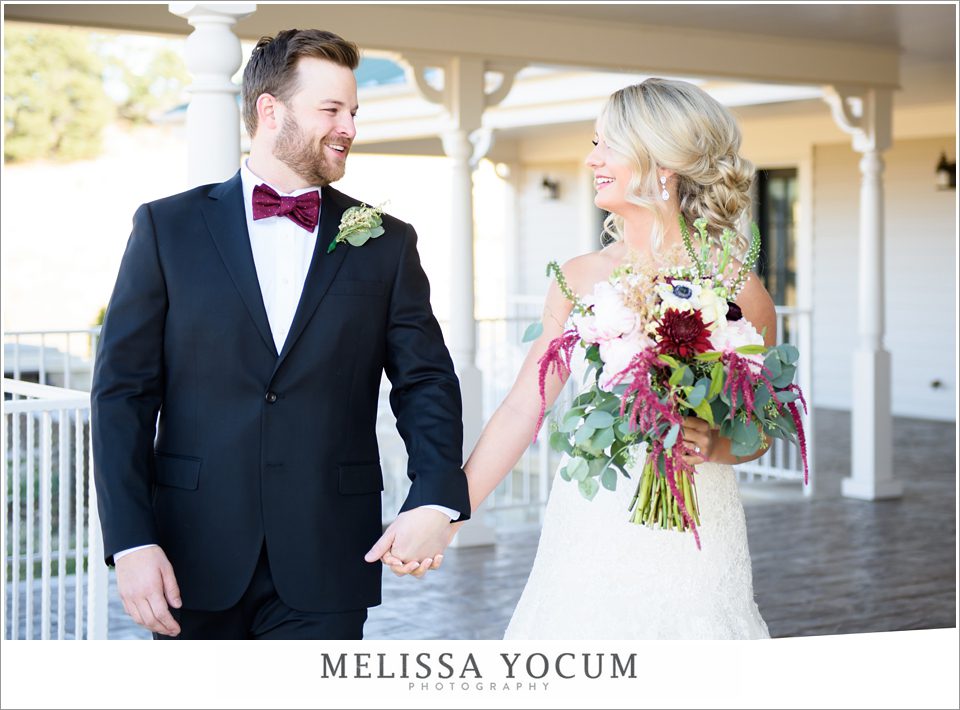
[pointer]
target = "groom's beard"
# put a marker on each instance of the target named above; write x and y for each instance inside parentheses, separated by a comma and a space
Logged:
(305, 157)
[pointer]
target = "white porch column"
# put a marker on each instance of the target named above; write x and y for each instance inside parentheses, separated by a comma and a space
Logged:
(465, 142)
(213, 118)
(463, 327)
(867, 115)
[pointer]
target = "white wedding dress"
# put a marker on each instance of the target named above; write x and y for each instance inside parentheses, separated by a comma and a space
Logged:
(598, 576)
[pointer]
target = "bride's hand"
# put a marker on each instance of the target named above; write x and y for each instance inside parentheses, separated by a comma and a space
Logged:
(700, 438)
(417, 568)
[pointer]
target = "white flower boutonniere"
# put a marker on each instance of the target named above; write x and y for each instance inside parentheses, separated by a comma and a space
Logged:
(358, 225)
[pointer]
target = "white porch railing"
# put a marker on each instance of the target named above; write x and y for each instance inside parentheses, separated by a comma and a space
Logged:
(783, 461)
(61, 358)
(53, 548)
(46, 451)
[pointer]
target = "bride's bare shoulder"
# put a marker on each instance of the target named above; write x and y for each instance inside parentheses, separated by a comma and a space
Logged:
(583, 271)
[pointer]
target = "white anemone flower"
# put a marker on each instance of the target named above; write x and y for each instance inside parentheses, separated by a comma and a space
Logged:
(682, 295)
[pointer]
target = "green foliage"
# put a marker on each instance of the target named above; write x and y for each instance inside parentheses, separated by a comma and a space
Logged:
(751, 259)
(533, 331)
(554, 268)
(56, 102)
(160, 87)
(55, 106)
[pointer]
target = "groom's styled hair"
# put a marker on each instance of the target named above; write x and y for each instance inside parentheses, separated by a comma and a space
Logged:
(272, 68)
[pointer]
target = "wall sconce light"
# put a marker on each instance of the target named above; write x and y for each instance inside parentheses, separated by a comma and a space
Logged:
(550, 189)
(946, 174)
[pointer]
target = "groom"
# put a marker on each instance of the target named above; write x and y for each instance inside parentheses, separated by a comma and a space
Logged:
(234, 399)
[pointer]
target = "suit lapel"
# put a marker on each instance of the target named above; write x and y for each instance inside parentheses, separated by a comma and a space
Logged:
(225, 216)
(323, 268)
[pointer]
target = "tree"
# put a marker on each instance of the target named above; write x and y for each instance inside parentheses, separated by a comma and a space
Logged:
(55, 105)
(159, 87)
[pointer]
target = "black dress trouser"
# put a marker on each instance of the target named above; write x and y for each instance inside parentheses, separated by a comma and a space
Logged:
(260, 614)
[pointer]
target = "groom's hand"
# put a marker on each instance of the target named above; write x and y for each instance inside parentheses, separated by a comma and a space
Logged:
(413, 543)
(147, 585)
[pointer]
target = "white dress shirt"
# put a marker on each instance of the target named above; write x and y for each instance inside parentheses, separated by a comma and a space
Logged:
(282, 252)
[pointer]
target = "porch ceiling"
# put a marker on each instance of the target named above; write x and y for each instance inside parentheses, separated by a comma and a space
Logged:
(815, 44)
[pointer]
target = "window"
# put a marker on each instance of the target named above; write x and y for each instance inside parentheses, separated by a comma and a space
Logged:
(775, 209)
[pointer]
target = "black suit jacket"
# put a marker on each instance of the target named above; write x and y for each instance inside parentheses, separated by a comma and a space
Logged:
(207, 441)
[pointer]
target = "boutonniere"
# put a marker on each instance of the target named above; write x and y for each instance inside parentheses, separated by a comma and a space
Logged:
(358, 225)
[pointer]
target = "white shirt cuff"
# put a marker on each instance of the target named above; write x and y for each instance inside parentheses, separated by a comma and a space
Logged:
(118, 555)
(452, 514)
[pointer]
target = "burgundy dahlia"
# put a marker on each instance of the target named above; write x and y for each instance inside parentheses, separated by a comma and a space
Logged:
(682, 333)
(733, 311)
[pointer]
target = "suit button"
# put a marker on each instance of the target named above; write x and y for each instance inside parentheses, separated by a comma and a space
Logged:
(271, 397)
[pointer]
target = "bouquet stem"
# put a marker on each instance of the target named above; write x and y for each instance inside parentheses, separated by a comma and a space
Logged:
(654, 504)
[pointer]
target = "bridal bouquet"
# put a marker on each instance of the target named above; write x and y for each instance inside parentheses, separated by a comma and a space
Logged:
(661, 345)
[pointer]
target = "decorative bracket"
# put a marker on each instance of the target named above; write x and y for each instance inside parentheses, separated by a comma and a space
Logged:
(864, 113)
(464, 79)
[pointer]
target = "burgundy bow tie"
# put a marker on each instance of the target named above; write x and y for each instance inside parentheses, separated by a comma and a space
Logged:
(303, 209)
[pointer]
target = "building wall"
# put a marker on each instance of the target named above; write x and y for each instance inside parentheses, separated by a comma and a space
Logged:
(920, 277)
(548, 229)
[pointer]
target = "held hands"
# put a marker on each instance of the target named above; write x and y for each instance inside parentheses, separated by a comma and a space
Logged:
(414, 542)
(699, 437)
(147, 586)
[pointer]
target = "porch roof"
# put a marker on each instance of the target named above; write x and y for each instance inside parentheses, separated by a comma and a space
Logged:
(805, 44)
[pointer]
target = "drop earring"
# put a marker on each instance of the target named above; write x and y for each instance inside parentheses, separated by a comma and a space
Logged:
(663, 184)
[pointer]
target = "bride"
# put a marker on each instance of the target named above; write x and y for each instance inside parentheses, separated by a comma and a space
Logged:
(662, 147)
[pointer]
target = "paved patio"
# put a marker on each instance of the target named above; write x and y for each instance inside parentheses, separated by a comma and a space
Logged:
(824, 566)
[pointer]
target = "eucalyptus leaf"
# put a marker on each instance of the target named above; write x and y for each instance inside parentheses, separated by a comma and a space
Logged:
(599, 419)
(533, 331)
(721, 410)
(786, 396)
(565, 473)
(726, 429)
(582, 400)
(788, 353)
(772, 363)
(760, 398)
(578, 468)
(560, 442)
(785, 377)
(358, 239)
(611, 406)
(609, 479)
(583, 434)
(671, 437)
(744, 449)
(603, 438)
(697, 394)
(741, 432)
(597, 466)
(589, 488)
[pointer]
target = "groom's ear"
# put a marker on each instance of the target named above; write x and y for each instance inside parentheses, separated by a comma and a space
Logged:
(268, 109)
